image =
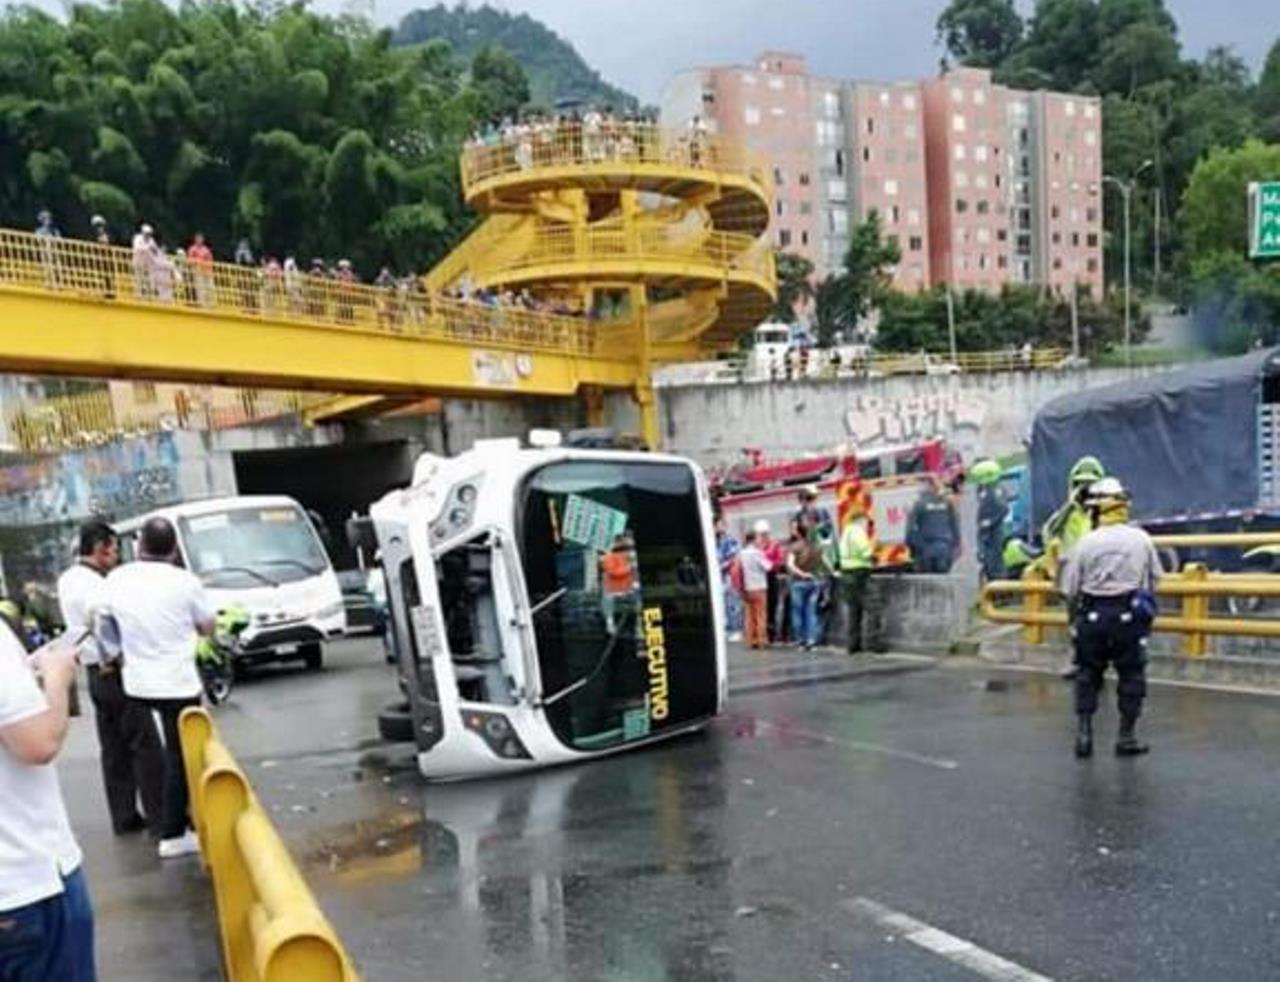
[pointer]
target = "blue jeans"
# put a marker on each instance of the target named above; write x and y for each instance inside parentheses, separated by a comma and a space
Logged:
(804, 612)
(734, 611)
(52, 939)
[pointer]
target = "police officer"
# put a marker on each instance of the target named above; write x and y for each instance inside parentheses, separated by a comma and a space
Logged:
(857, 557)
(933, 531)
(1109, 580)
(993, 509)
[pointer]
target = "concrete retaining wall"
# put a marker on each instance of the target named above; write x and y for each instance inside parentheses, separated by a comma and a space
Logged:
(979, 414)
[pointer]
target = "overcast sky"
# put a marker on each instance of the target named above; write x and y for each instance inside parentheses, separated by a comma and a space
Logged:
(639, 44)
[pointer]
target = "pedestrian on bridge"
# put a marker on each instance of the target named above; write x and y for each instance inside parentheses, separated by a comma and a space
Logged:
(127, 741)
(1109, 580)
(162, 610)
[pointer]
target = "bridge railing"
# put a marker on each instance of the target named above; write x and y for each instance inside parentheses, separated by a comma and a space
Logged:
(554, 144)
(270, 926)
(645, 242)
(112, 274)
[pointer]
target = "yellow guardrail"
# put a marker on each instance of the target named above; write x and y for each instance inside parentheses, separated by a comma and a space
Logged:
(271, 927)
(543, 145)
(606, 241)
(98, 416)
(115, 275)
(1194, 587)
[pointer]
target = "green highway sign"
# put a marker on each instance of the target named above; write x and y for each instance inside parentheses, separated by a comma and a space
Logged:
(1264, 220)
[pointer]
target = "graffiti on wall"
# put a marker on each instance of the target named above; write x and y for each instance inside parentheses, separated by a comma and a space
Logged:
(957, 416)
(116, 480)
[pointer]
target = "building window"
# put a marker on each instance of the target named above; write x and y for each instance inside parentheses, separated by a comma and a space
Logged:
(777, 177)
(837, 221)
(909, 100)
(837, 190)
(1002, 235)
(980, 153)
(957, 94)
(1090, 110)
(1057, 262)
(980, 181)
(962, 206)
(984, 207)
(804, 237)
(958, 123)
(1091, 265)
(884, 98)
(961, 179)
(806, 208)
(777, 111)
(1090, 138)
(748, 79)
(913, 216)
(871, 124)
(1091, 215)
(982, 261)
(1075, 239)
(1024, 137)
(1055, 212)
(984, 236)
(784, 237)
(866, 155)
(890, 187)
(1056, 238)
(751, 116)
(915, 243)
(1002, 261)
(775, 84)
(1075, 216)
(960, 151)
(910, 131)
(979, 97)
(781, 207)
(831, 104)
(1024, 244)
(895, 214)
(839, 159)
(1091, 240)
(1071, 107)
(804, 179)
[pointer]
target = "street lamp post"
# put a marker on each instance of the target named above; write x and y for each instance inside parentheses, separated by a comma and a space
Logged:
(1126, 192)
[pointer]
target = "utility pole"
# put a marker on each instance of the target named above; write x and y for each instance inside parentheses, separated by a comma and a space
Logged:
(1155, 275)
(1075, 322)
(1126, 192)
(951, 323)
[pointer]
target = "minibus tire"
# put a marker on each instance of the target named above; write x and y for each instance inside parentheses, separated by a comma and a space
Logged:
(395, 724)
(312, 656)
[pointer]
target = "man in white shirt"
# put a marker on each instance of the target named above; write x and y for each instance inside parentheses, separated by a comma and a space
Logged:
(161, 610)
(46, 921)
(127, 738)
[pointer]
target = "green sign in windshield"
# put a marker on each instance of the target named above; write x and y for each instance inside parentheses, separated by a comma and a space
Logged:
(1264, 220)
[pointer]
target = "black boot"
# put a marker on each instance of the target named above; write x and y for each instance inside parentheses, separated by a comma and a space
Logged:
(1127, 744)
(1084, 736)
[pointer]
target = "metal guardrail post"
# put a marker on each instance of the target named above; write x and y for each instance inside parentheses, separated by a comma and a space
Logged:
(1033, 603)
(270, 926)
(1195, 608)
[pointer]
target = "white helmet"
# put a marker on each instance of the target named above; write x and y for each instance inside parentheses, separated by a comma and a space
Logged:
(761, 527)
(1107, 489)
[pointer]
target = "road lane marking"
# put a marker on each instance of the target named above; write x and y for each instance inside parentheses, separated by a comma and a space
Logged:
(956, 950)
(871, 748)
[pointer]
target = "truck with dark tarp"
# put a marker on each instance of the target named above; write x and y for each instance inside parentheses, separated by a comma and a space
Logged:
(1196, 447)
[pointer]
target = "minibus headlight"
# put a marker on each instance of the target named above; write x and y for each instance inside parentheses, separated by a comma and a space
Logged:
(496, 731)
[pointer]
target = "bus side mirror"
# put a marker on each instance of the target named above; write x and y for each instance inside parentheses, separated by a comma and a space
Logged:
(361, 536)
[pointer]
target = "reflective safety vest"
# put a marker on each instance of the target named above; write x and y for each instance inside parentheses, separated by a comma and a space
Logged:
(856, 549)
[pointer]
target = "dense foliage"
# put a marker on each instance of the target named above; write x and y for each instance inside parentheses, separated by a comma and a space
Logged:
(308, 135)
(556, 71)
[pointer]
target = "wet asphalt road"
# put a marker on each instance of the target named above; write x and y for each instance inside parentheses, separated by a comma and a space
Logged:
(769, 848)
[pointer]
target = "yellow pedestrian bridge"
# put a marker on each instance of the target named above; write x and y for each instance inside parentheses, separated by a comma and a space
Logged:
(603, 252)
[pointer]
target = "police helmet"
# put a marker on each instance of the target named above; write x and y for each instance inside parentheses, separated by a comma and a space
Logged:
(1087, 470)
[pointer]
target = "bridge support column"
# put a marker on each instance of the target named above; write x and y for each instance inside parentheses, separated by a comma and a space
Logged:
(645, 397)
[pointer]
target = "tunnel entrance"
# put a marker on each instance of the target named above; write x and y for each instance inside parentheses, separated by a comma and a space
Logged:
(330, 482)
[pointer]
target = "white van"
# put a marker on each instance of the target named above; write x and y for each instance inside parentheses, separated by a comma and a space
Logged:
(260, 553)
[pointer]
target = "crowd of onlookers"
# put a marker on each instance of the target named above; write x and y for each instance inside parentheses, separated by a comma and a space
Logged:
(190, 275)
(590, 136)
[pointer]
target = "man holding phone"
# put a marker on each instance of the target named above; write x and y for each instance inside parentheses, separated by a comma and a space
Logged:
(46, 921)
(129, 747)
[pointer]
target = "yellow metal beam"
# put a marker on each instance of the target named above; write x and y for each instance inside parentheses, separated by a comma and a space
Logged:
(66, 334)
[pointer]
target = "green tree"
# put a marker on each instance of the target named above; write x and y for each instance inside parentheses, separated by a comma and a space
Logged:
(795, 285)
(979, 33)
(844, 299)
(499, 80)
(1214, 213)
(1267, 97)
